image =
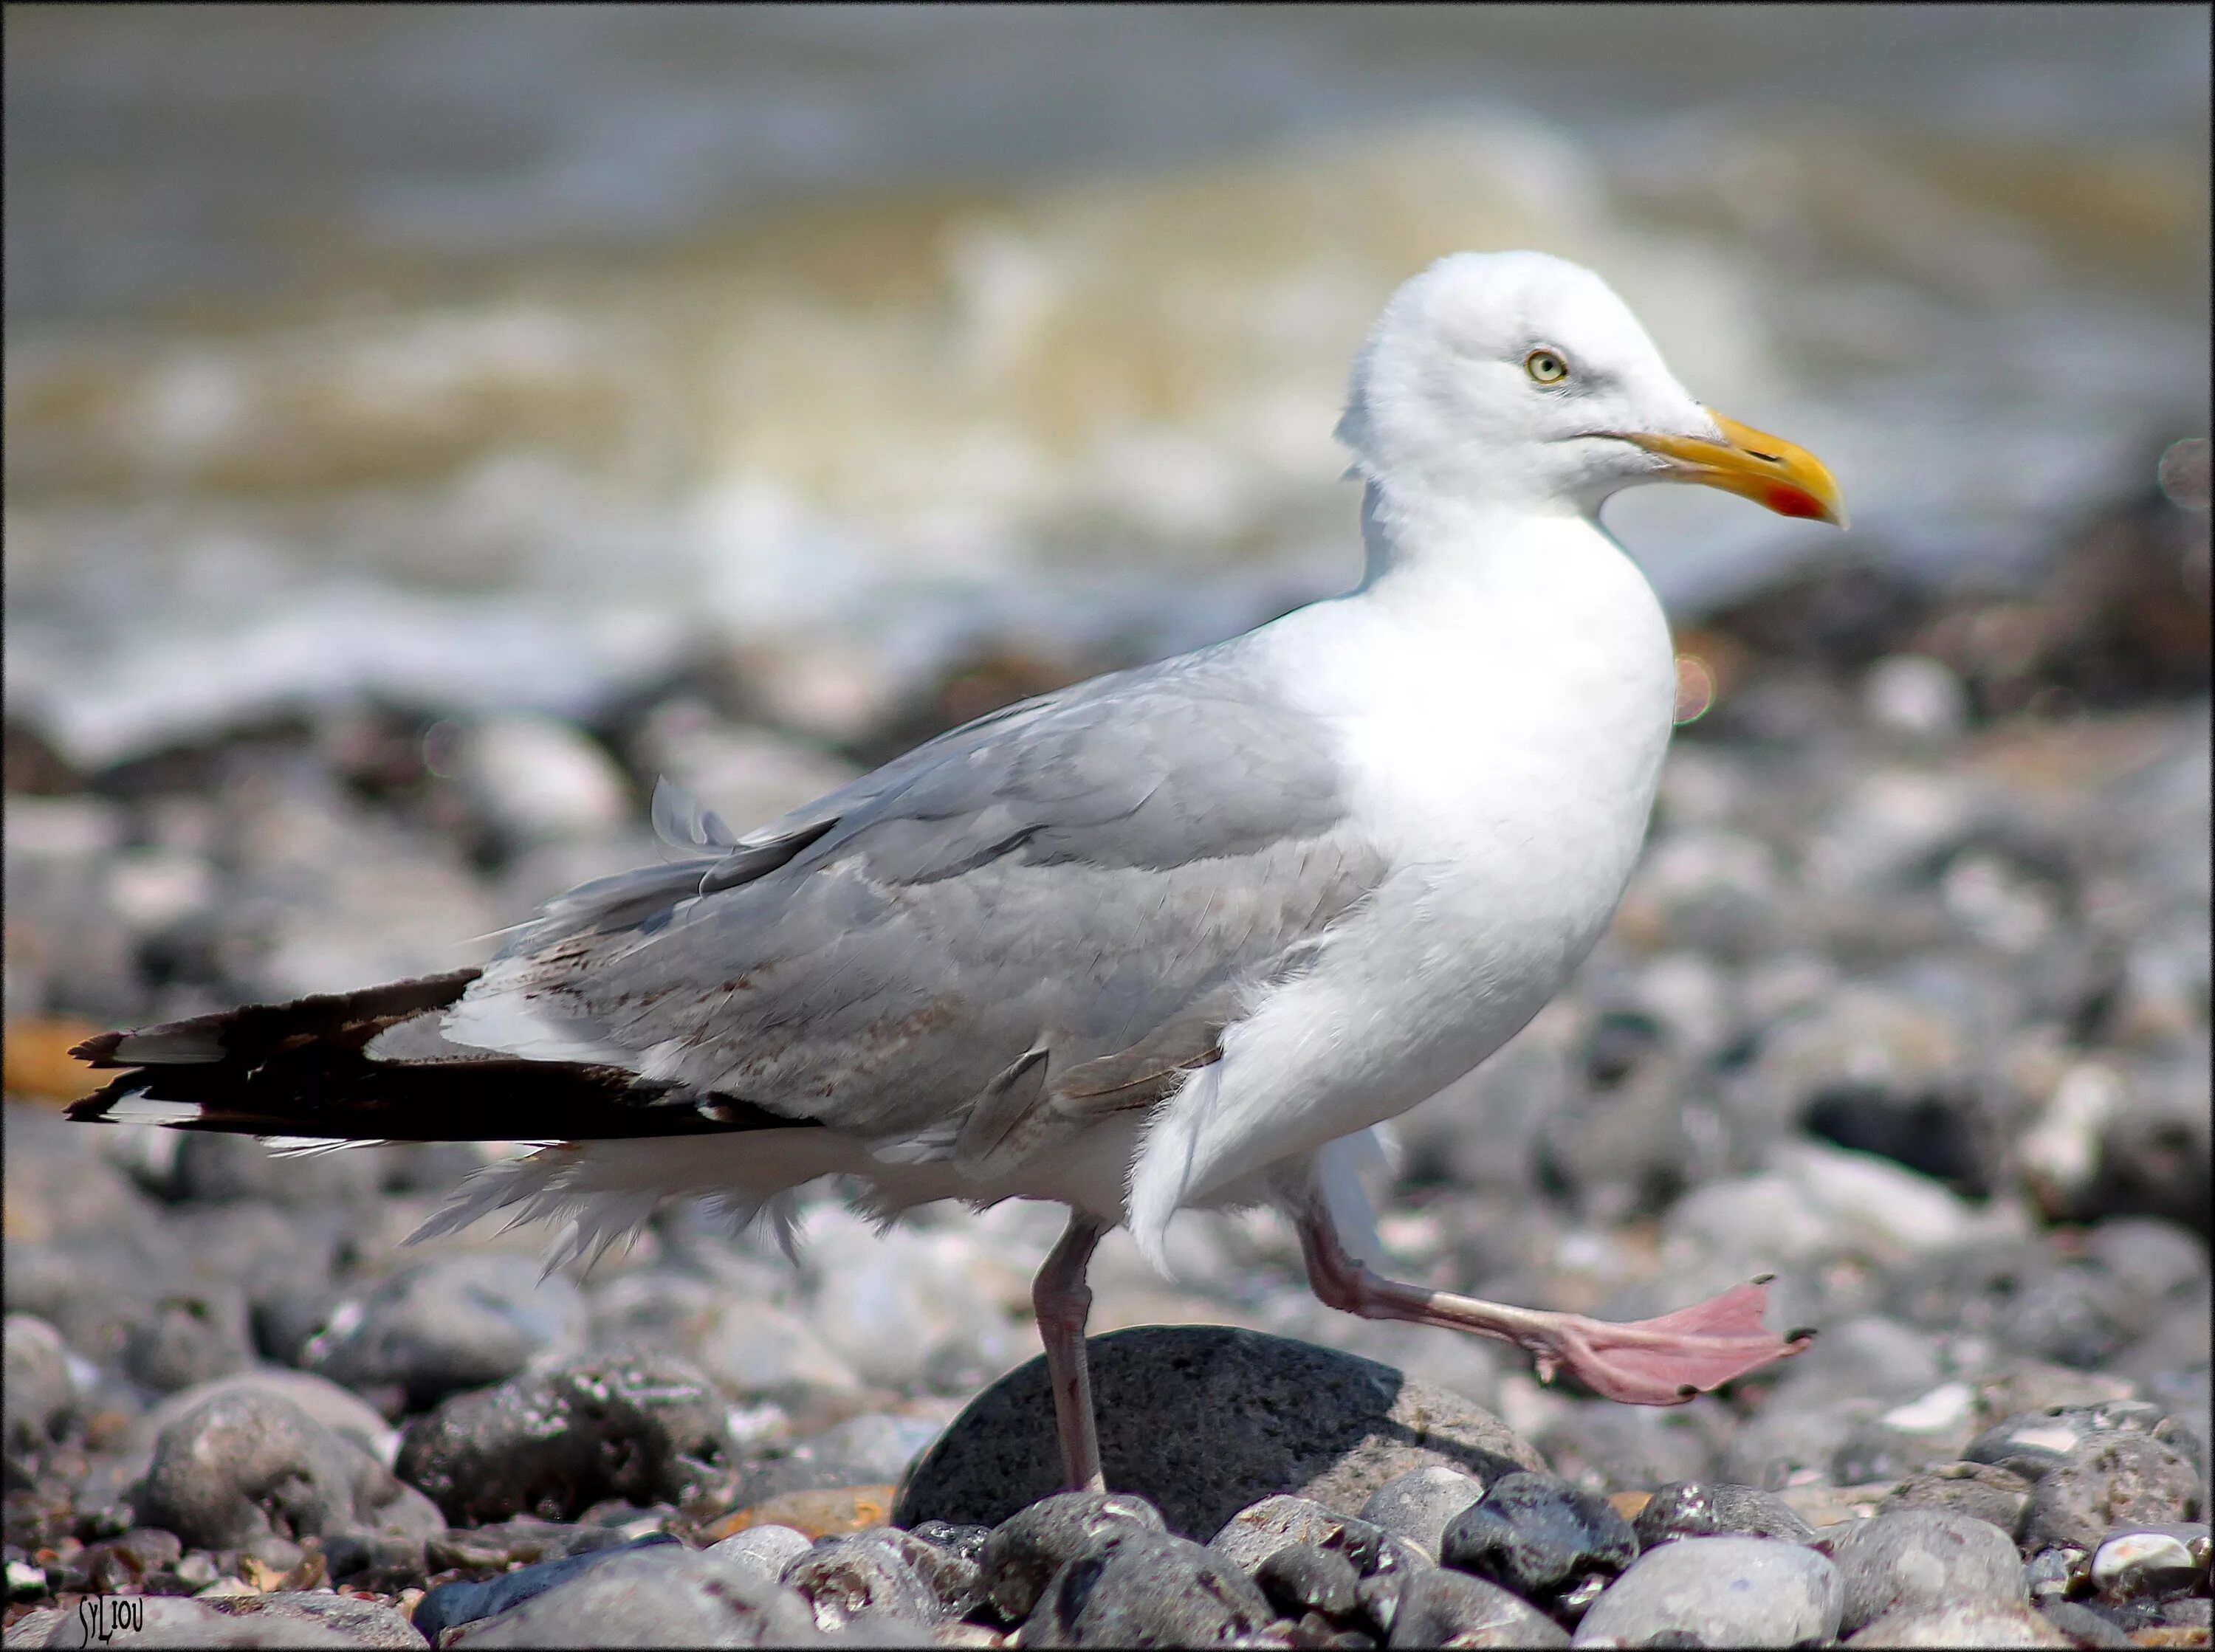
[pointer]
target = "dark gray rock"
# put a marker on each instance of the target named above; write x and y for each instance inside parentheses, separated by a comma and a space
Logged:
(2152, 1563)
(363, 1623)
(968, 1541)
(1968, 1624)
(1303, 1578)
(1693, 1508)
(666, 1596)
(452, 1604)
(445, 1324)
(1539, 1537)
(38, 1384)
(1450, 1608)
(1198, 1419)
(1724, 1591)
(1024, 1552)
(1983, 1491)
(2108, 1481)
(1918, 1559)
(1148, 1590)
(1417, 1507)
(2032, 1443)
(188, 1337)
(637, 1426)
(245, 1464)
(870, 1578)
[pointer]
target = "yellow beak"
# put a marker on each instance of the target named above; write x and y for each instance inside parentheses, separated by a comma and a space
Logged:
(1767, 469)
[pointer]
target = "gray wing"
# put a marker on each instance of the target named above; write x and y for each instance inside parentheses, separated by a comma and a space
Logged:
(1048, 914)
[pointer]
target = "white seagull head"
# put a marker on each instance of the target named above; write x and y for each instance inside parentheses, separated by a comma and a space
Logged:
(1520, 379)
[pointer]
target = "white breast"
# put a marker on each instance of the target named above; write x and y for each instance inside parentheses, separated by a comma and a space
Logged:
(1502, 721)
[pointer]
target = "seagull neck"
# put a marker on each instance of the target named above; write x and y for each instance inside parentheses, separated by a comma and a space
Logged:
(1430, 552)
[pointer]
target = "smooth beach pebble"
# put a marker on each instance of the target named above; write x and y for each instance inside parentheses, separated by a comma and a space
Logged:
(1727, 1591)
(1918, 1558)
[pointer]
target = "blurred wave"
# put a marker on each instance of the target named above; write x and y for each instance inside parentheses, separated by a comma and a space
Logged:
(502, 358)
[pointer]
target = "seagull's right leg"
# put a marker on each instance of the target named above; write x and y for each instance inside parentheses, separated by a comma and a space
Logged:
(1062, 1300)
(1662, 1362)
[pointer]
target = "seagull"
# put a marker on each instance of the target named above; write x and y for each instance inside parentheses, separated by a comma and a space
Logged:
(1179, 937)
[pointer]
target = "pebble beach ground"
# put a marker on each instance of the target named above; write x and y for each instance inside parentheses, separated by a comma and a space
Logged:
(1907, 1004)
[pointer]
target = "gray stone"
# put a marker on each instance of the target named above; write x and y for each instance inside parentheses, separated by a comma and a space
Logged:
(364, 1623)
(245, 1464)
(1539, 1537)
(765, 1550)
(1024, 1552)
(1920, 1558)
(1198, 1419)
(340, 1410)
(2082, 1626)
(1790, 1445)
(1254, 1534)
(1691, 1509)
(873, 1578)
(1983, 1491)
(873, 1449)
(2112, 1480)
(636, 1426)
(1416, 1507)
(759, 1352)
(666, 1596)
(1727, 1591)
(448, 1323)
(189, 1337)
(1304, 1578)
(168, 1620)
(1603, 1446)
(1449, 1608)
(1148, 1590)
(1969, 1624)
(39, 1386)
(451, 1605)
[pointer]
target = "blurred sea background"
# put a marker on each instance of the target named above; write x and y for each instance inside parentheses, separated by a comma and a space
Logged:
(486, 359)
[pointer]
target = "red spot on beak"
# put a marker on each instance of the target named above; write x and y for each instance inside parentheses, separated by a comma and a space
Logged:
(1793, 502)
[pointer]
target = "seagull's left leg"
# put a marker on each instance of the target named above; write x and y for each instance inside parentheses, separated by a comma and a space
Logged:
(1062, 1301)
(1662, 1362)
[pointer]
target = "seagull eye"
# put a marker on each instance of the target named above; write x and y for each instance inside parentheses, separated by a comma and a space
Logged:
(1545, 367)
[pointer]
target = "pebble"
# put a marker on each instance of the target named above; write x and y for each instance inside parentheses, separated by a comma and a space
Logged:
(825, 1513)
(167, 1621)
(638, 1426)
(1727, 1591)
(1970, 1624)
(448, 1323)
(451, 1604)
(664, 1595)
(1150, 1589)
(1983, 1491)
(247, 1464)
(2083, 1626)
(1303, 1578)
(363, 1623)
(40, 1389)
(1327, 1426)
(1450, 1608)
(190, 1338)
(1417, 1507)
(1697, 1509)
(763, 1353)
(765, 1550)
(1920, 1558)
(871, 1578)
(1025, 1551)
(2111, 1480)
(2151, 1564)
(1538, 1536)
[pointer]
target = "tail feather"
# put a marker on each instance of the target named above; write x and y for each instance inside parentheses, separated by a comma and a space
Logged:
(301, 1070)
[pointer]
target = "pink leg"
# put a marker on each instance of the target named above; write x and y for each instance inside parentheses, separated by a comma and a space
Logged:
(1662, 1362)
(1061, 1300)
